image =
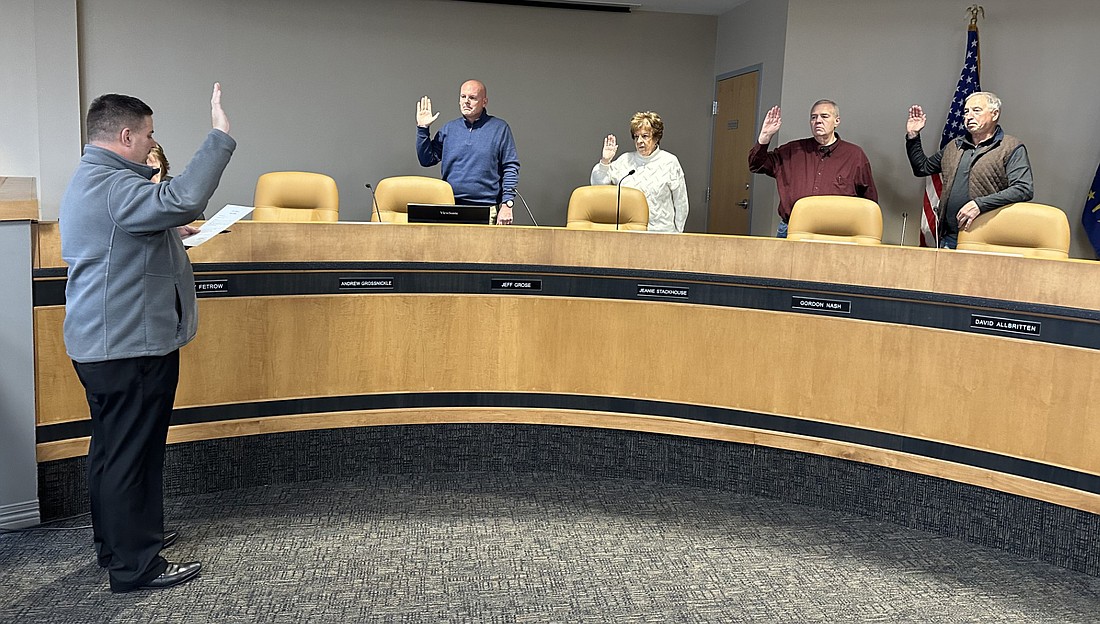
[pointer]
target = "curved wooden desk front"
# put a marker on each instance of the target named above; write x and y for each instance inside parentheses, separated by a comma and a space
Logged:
(978, 368)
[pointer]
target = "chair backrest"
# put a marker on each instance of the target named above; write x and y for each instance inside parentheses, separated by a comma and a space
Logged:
(296, 196)
(1027, 229)
(836, 218)
(593, 208)
(395, 194)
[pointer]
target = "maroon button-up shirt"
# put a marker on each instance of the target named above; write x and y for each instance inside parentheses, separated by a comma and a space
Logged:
(804, 168)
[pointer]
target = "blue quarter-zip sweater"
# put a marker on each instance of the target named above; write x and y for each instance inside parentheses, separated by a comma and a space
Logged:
(479, 159)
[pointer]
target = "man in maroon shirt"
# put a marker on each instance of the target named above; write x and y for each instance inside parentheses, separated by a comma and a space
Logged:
(821, 165)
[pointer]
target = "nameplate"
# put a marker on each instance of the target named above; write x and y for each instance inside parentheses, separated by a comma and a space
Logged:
(211, 287)
(664, 292)
(530, 285)
(366, 283)
(1005, 325)
(817, 304)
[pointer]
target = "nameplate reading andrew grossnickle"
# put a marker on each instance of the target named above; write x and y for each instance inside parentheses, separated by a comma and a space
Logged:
(817, 304)
(666, 292)
(366, 283)
(211, 287)
(499, 283)
(1006, 325)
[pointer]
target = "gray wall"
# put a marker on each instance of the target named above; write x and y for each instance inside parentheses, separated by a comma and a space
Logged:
(755, 34)
(18, 466)
(40, 102)
(331, 85)
(877, 58)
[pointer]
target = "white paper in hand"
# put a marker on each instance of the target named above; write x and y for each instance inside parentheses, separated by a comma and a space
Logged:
(226, 217)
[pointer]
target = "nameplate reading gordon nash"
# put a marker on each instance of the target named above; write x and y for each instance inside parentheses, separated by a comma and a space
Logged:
(522, 284)
(664, 292)
(817, 304)
(1005, 325)
(366, 283)
(211, 287)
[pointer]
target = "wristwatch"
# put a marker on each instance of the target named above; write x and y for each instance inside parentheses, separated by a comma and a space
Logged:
(509, 203)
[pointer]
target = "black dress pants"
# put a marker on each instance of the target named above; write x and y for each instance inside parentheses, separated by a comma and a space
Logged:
(131, 403)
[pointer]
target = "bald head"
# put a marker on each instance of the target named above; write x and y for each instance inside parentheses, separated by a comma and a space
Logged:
(472, 99)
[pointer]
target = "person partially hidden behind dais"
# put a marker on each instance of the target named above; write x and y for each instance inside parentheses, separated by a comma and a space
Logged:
(650, 169)
(984, 170)
(823, 164)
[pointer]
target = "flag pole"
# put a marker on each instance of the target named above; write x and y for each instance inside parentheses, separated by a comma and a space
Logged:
(974, 11)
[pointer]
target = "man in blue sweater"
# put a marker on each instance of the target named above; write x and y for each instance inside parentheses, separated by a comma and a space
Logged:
(477, 151)
(129, 308)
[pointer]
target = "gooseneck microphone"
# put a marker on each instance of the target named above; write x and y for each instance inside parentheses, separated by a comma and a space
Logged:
(374, 202)
(525, 206)
(619, 196)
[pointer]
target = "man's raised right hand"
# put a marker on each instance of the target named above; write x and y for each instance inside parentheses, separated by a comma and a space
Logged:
(424, 116)
(772, 121)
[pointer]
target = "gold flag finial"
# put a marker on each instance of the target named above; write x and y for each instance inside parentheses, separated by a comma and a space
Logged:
(975, 10)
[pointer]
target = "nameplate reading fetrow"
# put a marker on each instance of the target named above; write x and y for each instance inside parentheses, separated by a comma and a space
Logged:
(366, 283)
(513, 284)
(664, 292)
(1005, 325)
(817, 304)
(211, 287)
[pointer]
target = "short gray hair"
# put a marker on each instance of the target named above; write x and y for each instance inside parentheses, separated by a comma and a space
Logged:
(991, 99)
(836, 109)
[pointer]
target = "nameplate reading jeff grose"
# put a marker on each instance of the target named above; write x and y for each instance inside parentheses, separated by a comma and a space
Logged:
(366, 283)
(667, 292)
(817, 304)
(211, 287)
(1006, 325)
(498, 283)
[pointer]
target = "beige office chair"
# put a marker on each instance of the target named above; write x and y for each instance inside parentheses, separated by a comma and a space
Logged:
(1027, 229)
(836, 218)
(296, 196)
(395, 194)
(593, 208)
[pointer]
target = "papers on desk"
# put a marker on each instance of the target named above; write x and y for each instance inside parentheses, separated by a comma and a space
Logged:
(217, 224)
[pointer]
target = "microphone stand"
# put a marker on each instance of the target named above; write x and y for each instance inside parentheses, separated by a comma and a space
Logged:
(619, 196)
(525, 206)
(374, 203)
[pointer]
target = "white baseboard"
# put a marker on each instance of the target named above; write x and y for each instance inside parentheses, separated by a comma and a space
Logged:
(19, 515)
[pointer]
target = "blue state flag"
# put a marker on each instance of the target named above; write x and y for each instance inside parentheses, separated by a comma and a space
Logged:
(1090, 217)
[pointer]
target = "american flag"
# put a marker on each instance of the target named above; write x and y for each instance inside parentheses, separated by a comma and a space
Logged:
(952, 128)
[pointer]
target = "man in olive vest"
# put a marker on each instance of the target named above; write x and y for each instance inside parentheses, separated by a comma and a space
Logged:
(982, 171)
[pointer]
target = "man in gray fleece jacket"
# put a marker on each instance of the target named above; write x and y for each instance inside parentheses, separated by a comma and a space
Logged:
(129, 307)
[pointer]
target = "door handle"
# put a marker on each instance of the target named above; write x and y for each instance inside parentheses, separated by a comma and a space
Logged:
(744, 203)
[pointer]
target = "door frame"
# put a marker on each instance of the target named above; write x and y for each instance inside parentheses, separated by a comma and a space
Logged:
(759, 68)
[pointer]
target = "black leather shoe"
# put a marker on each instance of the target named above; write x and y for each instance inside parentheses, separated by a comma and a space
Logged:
(174, 574)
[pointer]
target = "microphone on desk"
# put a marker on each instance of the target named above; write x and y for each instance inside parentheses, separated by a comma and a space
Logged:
(904, 218)
(374, 202)
(525, 206)
(619, 196)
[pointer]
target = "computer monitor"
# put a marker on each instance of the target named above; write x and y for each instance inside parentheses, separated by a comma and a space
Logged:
(448, 213)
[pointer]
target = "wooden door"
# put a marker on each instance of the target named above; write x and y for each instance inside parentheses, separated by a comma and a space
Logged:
(733, 136)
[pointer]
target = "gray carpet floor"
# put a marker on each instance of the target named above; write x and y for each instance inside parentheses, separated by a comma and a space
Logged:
(535, 548)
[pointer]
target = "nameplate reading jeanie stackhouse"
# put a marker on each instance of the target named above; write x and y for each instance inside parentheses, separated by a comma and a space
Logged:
(211, 287)
(1006, 325)
(817, 304)
(523, 284)
(366, 283)
(666, 292)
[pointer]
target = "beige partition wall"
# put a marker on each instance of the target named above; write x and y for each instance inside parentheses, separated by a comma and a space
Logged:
(721, 351)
